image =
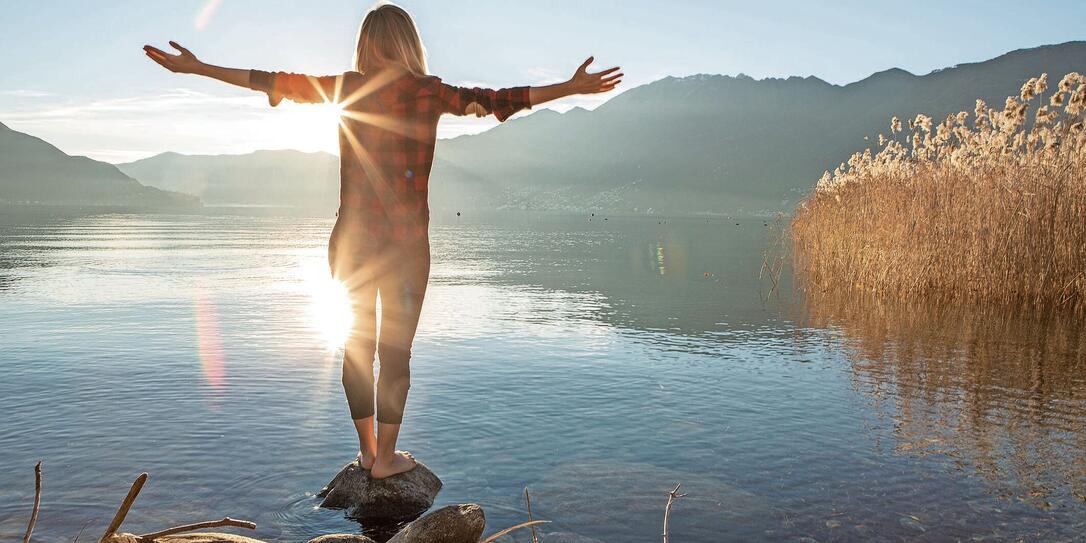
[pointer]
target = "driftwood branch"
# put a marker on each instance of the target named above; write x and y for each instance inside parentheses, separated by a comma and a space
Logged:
(133, 492)
(81, 528)
(197, 526)
(528, 502)
(511, 528)
(671, 497)
(122, 511)
(37, 503)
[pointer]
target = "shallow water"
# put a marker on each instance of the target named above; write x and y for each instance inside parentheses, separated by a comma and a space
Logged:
(596, 362)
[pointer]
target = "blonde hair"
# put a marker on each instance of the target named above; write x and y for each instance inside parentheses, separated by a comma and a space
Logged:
(388, 37)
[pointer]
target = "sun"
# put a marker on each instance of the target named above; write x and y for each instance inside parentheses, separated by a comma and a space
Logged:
(314, 127)
(329, 305)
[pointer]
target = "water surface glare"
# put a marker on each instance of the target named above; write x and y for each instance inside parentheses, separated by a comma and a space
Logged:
(597, 362)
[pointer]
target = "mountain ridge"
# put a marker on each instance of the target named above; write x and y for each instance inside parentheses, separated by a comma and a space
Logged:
(704, 143)
(34, 171)
(732, 144)
(266, 177)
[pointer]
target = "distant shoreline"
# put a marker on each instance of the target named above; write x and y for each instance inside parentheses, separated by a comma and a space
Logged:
(12, 212)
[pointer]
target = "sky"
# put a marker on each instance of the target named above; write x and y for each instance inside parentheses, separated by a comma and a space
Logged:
(72, 72)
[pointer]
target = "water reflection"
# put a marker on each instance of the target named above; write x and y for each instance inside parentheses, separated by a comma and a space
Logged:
(19, 249)
(696, 277)
(592, 377)
(1002, 396)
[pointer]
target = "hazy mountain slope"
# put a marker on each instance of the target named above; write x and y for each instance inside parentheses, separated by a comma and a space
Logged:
(713, 143)
(308, 180)
(699, 144)
(33, 171)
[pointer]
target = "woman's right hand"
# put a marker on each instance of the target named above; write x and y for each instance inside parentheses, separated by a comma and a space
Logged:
(183, 63)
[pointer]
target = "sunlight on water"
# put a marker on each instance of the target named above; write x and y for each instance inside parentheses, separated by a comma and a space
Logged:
(329, 304)
(204, 349)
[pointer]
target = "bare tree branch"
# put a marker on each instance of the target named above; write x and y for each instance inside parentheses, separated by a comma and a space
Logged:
(197, 526)
(37, 503)
(511, 528)
(122, 511)
(528, 501)
(671, 497)
(80, 534)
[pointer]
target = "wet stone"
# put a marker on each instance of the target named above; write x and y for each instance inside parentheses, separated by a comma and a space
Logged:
(372, 501)
(462, 523)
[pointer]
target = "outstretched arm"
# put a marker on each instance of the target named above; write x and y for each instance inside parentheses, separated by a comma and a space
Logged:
(582, 82)
(187, 63)
(505, 102)
(297, 87)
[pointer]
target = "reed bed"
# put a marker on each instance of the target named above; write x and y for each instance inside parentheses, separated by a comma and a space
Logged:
(986, 206)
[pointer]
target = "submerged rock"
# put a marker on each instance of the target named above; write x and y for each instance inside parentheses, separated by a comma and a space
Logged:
(342, 538)
(463, 523)
(393, 499)
(619, 501)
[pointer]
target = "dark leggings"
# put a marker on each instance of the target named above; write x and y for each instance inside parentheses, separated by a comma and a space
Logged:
(398, 272)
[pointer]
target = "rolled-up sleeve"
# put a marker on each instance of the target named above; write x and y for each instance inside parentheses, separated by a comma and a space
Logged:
(503, 103)
(305, 89)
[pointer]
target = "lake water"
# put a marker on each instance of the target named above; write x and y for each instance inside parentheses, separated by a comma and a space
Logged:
(597, 362)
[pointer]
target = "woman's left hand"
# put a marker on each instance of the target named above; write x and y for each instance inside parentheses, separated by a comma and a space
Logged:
(583, 82)
(184, 63)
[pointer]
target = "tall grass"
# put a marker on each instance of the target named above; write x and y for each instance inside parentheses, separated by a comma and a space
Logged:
(987, 206)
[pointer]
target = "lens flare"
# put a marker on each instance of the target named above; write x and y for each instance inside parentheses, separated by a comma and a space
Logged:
(207, 13)
(209, 343)
(329, 309)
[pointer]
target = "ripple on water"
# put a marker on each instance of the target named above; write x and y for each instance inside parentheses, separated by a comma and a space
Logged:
(300, 518)
(594, 364)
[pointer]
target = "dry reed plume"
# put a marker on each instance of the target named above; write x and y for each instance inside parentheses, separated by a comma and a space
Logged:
(988, 206)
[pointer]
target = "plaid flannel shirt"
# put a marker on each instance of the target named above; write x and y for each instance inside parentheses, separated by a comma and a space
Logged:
(387, 132)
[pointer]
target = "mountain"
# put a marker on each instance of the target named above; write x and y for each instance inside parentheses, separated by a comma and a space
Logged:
(690, 145)
(33, 171)
(711, 143)
(289, 178)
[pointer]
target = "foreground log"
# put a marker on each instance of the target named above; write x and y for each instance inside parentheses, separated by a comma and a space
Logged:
(394, 499)
(460, 523)
(111, 534)
(342, 538)
(207, 537)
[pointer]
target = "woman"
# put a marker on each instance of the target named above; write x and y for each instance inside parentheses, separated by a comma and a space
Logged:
(380, 245)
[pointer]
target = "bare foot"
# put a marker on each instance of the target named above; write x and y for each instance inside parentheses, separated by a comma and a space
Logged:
(401, 462)
(366, 460)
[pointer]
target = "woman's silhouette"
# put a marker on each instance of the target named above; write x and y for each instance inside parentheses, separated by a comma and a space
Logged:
(380, 245)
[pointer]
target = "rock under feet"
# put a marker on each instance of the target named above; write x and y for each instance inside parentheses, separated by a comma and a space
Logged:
(393, 499)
